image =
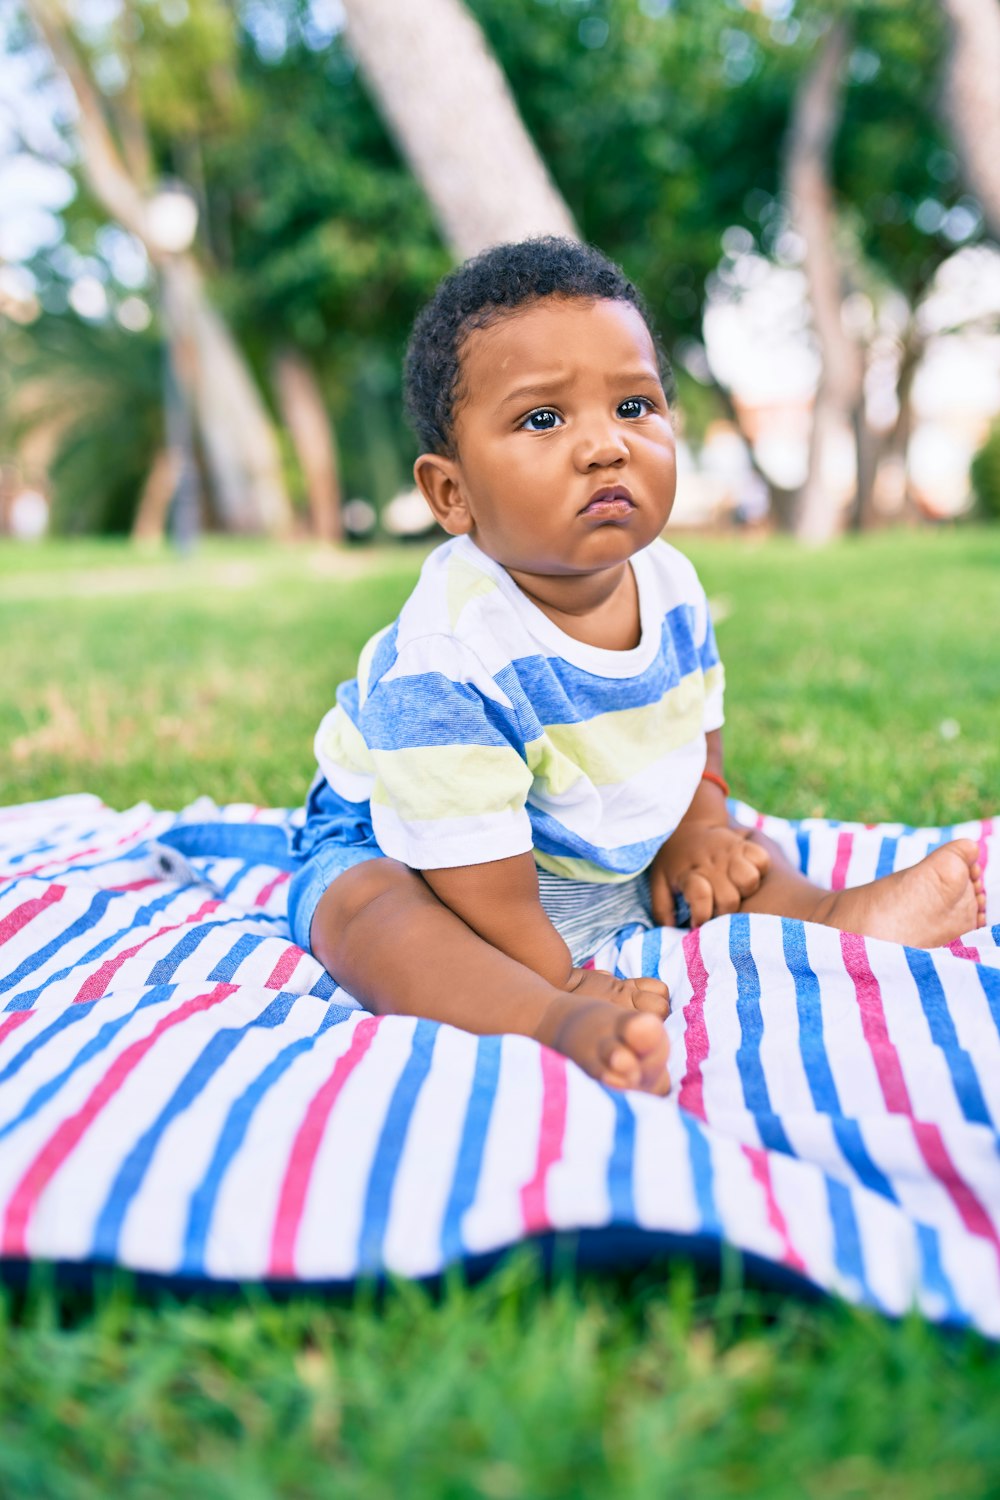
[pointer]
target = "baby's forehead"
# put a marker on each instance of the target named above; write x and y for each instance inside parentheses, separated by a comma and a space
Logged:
(554, 332)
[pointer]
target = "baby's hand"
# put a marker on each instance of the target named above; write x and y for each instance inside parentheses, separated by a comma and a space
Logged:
(632, 994)
(713, 866)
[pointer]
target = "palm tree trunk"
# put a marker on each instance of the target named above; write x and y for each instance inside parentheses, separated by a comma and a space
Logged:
(241, 450)
(972, 98)
(305, 416)
(443, 95)
(150, 522)
(815, 121)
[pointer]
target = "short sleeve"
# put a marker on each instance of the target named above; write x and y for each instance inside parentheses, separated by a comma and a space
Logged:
(451, 779)
(714, 676)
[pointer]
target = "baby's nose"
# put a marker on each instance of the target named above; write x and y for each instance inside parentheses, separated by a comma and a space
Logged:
(601, 447)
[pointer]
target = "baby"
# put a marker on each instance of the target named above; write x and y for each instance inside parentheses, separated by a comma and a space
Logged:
(530, 756)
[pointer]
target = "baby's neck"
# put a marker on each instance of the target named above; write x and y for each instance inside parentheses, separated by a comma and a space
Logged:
(600, 609)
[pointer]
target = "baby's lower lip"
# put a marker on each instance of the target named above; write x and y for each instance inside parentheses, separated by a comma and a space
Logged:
(614, 505)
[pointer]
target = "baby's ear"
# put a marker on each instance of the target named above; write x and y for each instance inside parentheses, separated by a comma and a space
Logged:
(439, 481)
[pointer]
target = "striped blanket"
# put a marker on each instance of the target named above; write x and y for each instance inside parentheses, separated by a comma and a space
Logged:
(186, 1093)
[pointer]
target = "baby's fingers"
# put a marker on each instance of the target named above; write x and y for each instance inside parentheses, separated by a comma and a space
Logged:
(745, 874)
(757, 856)
(727, 896)
(698, 893)
(661, 898)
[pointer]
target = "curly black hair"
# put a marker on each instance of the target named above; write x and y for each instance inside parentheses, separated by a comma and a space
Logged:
(479, 292)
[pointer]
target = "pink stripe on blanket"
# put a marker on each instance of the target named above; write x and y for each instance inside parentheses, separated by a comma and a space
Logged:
(551, 1138)
(60, 1145)
(265, 893)
(845, 847)
(691, 1093)
(60, 864)
(876, 1034)
(927, 1134)
(13, 1021)
(284, 968)
(28, 910)
(302, 1157)
(985, 834)
(760, 1166)
(96, 984)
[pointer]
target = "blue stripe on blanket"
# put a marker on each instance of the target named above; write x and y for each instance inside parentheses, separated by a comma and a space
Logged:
(471, 1146)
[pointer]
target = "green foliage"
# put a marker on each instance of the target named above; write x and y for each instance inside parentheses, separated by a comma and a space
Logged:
(96, 393)
(892, 154)
(183, 60)
(663, 125)
(985, 474)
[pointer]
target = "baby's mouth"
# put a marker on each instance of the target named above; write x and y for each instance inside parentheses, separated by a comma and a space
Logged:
(612, 501)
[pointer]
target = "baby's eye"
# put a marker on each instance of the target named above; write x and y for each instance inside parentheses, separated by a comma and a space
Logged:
(634, 406)
(542, 420)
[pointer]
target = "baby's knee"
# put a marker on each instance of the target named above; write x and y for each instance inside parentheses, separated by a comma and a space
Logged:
(354, 893)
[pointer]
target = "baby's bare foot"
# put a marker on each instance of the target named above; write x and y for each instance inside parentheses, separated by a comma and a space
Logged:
(621, 1048)
(926, 906)
(643, 993)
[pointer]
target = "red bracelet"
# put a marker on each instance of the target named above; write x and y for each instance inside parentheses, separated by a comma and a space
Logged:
(717, 780)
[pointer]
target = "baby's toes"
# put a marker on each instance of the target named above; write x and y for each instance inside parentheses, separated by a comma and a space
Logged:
(637, 1057)
(651, 996)
(621, 1068)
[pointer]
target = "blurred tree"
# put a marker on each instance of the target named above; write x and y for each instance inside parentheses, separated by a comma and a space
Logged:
(662, 122)
(816, 119)
(485, 180)
(322, 242)
(144, 89)
(972, 97)
(667, 125)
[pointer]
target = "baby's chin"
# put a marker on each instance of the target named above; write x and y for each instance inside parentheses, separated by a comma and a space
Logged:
(609, 550)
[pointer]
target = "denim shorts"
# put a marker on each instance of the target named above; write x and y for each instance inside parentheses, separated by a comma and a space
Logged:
(315, 876)
(336, 836)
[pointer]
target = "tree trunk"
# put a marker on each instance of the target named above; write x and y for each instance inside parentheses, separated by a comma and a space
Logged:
(241, 449)
(304, 413)
(150, 522)
(972, 98)
(815, 121)
(239, 441)
(869, 447)
(446, 100)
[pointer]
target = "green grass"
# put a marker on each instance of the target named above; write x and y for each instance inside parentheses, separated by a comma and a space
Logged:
(154, 679)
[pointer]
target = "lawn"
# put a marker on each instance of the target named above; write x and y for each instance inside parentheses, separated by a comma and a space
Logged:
(862, 683)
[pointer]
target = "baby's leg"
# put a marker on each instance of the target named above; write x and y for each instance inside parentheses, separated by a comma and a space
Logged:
(927, 906)
(384, 935)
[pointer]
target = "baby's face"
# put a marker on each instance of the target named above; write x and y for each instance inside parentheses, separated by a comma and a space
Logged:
(565, 448)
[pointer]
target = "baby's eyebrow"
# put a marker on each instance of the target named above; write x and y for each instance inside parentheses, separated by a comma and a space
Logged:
(551, 387)
(541, 388)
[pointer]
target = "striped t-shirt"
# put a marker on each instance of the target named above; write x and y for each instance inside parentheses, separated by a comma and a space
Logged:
(476, 729)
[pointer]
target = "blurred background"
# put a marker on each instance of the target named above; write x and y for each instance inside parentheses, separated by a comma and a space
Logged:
(217, 220)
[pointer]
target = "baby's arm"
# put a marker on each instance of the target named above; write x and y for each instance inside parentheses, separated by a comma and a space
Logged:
(499, 900)
(708, 860)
